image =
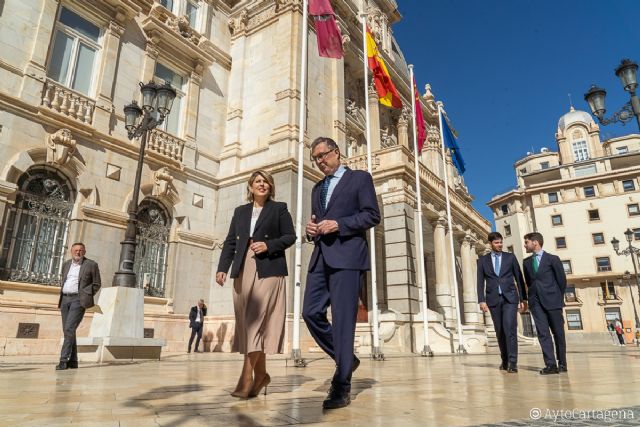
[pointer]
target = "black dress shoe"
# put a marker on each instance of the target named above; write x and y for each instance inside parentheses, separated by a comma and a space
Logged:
(62, 366)
(562, 368)
(513, 368)
(336, 400)
(503, 367)
(548, 370)
(72, 365)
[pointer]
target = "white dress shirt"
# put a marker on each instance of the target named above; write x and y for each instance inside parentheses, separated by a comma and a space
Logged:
(73, 277)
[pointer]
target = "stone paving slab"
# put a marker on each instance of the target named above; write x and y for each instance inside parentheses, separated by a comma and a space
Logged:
(601, 388)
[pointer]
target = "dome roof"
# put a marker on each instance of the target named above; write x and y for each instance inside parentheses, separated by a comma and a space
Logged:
(574, 116)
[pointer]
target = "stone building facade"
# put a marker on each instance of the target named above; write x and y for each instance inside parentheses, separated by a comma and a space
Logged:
(580, 197)
(69, 66)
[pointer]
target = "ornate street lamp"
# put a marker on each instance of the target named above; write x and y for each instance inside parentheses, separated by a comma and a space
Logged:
(627, 72)
(634, 252)
(156, 105)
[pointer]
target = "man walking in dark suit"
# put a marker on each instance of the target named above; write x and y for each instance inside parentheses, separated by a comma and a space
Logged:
(196, 322)
(546, 282)
(501, 291)
(80, 282)
(343, 207)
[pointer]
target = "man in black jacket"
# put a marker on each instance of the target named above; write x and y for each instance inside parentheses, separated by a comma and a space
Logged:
(498, 273)
(547, 283)
(196, 320)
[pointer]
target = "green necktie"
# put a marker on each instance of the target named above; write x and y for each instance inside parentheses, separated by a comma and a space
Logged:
(535, 264)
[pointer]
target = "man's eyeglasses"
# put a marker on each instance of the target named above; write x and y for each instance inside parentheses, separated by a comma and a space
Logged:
(320, 157)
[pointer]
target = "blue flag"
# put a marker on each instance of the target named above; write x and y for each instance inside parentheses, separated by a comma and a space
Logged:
(451, 143)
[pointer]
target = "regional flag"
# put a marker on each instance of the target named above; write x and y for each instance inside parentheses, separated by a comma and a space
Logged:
(451, 143)
(381, 78)
(327, 31)
(421, 130)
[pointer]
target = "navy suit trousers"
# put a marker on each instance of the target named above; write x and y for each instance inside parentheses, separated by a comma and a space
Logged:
(340, 289)
(505, 322)
(553, 320)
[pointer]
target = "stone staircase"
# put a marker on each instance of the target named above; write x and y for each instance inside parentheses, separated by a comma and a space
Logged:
(523, 341)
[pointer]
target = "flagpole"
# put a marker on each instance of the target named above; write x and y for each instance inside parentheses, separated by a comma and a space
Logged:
(296, 354)
(376, 353)
(426, 349)
(461, 349)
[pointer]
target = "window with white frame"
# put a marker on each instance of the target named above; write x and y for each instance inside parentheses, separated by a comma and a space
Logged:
(580, 151)
(190, 8)
(172, 123)
(622, 150)
(76, 44)
(574, 320)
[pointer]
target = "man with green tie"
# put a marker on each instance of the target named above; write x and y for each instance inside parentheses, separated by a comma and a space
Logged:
(546, 283)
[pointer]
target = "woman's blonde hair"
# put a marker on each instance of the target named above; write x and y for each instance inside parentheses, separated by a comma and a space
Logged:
(267, 176)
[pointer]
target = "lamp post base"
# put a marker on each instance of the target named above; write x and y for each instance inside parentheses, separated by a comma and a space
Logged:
(126, 279)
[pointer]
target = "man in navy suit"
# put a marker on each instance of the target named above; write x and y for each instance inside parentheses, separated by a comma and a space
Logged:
(546, 282)
(343, 208)
(498, 293)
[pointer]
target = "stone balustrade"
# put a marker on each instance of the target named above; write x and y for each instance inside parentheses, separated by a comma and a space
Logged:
(166, 144)
(68, 102)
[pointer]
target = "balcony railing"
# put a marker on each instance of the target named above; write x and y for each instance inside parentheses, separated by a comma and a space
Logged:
(166, 144)
(68, 102)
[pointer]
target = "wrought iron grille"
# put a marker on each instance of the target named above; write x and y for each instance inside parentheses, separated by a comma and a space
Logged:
(37, 228)
(152, 247)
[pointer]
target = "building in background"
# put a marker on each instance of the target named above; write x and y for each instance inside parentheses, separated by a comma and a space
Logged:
(68, 68)
(580, 197)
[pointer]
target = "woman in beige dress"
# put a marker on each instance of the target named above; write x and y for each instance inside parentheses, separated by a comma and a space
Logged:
(259, 234)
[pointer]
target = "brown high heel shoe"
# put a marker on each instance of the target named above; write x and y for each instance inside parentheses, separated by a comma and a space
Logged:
(240, 394)
(255, 391)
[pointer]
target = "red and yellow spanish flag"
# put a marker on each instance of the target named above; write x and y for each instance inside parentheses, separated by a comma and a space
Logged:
(381, 78)
(421, 131)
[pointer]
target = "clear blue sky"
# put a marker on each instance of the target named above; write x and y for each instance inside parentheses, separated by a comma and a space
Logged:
(503, 69)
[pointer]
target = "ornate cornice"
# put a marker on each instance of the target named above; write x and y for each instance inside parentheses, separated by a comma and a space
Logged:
(176, 38)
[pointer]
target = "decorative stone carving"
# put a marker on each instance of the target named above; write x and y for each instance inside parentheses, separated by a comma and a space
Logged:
(375, 21)
(162, 182)
(113, 172)
(433, 135)
(198, 200)
(239, 23)
(61, 147)
(116, 29)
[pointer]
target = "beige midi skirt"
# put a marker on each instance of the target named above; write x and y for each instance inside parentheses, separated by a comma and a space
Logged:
(259, 306)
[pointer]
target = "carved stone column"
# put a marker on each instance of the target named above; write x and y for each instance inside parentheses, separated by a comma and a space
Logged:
(470, 290)
(102, 117)
(443, 289)
(149, 63)
(43, 28)
(110, 60)
(403, 128)
(374, 119)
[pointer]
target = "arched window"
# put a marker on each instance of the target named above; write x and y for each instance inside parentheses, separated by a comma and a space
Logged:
(154, 223)
(35, 237)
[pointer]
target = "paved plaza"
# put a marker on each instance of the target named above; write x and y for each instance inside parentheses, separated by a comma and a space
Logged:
(602, 387)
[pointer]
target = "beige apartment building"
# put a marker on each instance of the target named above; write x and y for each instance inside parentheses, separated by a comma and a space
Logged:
(67, 69)
(580, 197)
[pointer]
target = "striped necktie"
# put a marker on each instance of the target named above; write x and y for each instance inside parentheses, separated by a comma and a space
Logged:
(324, 190)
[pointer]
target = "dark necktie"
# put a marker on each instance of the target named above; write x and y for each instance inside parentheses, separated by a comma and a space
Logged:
(324, 190)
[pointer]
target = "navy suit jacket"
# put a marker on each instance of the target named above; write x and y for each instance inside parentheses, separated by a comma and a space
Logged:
(354, 206)
(547, 286)
(274, 227)
(193, 315)
(510, 274)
